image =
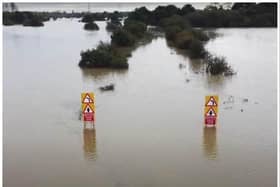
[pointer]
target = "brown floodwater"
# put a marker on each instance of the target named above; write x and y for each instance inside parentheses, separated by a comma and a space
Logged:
(149, 131)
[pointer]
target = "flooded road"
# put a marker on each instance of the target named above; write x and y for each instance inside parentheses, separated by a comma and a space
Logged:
(149, 131)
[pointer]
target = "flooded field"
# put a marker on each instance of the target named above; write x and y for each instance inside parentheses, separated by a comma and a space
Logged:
(149, 131)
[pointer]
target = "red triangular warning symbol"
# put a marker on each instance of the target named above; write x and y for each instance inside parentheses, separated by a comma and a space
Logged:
(211, 113)
(87, 99)
(211, 102)
(88, 109)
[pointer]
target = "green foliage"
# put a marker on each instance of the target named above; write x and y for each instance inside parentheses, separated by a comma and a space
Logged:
(103, 56)
(184, 39)
(122, 37)
(240, 15)
(91, 26)
(171, 32)
(136, 28)
(217, 65)
(115, 17)
(175, 20)
(140, 14)
(187, 9)
(87, 18)
(112, 26)
(200, 35)
(196, 49)
(119, 62)
(91, 17)
(23, 18)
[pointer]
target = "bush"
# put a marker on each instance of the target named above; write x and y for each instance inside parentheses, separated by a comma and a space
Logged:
(119, 62)
(103, 56)
(196, 49)
(122, 37)
(187, 9)
(217, 65)
(113, 26)
(170, 32)
(140, 14)
(200, 35)
(32, 22)
(91, 26)
(184, 39)
(136, 28)
(175, 20)
(24, 18)
(87, 18)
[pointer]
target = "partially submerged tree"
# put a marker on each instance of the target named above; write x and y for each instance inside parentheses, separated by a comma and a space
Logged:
(91, 26)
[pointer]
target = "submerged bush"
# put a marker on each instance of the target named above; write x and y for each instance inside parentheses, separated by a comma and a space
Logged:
(200, 35)
(103, 56)
(196, 49)
(91, 26)
(183, 39)
(175, 20)
(87, 18)
(217, 65)
(171, 31)
(112, 26)
(24, 18)
(122, 37)
(136, 28)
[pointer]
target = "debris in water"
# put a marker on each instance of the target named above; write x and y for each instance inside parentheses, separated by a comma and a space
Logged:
(228, 108)
(241, 110)
(245, 100)
(229, 73)
(230, 99)
(109, 87)
(181, 66)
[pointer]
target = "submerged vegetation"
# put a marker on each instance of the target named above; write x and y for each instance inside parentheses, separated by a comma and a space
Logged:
(88, 19)
(115, 53)
(178, 26)
(91, 26)
(23, 18)
(105, 55)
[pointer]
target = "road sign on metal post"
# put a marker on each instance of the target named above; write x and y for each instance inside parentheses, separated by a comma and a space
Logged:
(211, 110)
(88, 106)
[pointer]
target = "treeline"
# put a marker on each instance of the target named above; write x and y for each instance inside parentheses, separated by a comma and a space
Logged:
(23, 18)
(239, 15)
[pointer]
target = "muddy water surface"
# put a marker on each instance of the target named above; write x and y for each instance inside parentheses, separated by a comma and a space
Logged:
(149, 130)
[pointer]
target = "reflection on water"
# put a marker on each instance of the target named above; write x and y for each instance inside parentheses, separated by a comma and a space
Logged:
(101, 73)
(197, 65)
(89, 142)
(210, 142)
(216, 83)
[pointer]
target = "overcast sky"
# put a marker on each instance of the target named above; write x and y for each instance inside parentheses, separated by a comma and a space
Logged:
(95, 7)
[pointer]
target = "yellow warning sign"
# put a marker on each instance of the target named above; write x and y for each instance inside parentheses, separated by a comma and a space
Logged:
(88, 108)
(211, 111)
(87, 97)
(212, 100)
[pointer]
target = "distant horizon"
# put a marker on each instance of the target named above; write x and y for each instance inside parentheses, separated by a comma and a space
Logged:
(97, 7)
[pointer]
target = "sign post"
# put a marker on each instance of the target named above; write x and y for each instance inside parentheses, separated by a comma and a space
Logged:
(88, 106)
(211, 110)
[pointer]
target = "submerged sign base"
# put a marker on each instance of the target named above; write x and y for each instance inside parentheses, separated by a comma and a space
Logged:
(209, 120)
(88, 116)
